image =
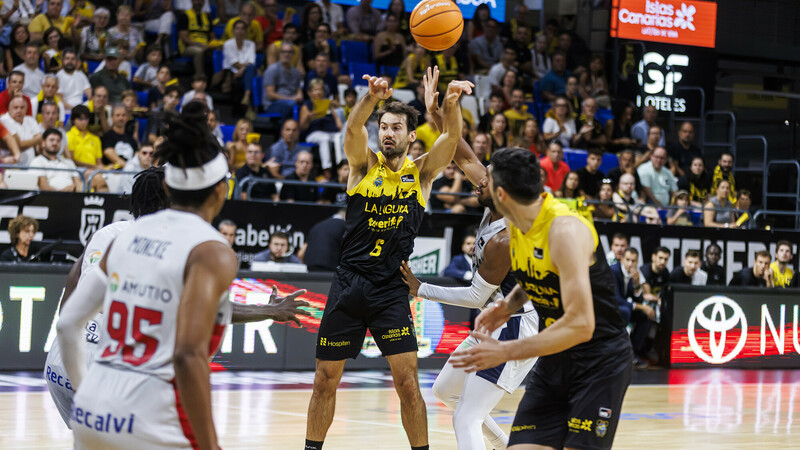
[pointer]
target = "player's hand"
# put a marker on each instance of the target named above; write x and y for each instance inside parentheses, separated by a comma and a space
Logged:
(487, 354)
(378, 87)
(431, 80)
(409, 278)
(649, 311)
(285, 309)
(271, 163)
(493, 317)
(456, 88)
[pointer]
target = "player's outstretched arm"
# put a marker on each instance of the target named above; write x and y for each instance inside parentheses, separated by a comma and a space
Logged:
(279, 309)
(355, 138)
(72, 280)
(210, 269)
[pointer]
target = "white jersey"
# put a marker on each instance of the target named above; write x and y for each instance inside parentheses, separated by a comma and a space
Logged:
(145, 267)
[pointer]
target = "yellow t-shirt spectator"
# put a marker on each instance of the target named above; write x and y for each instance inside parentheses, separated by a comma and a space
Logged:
(781, 279)
(254, 32)
(42, 22)
(87, 11)
(517, 119)
(85, 147)
(427, 134)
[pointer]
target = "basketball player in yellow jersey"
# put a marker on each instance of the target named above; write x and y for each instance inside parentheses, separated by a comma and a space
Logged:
(387, 193)
(781, 272)
(574, 397)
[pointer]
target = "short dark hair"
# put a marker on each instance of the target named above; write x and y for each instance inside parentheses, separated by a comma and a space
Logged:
(662, 250)
(783, 242)
(726, 153)
(199, 77)
(713, 245)
(323, 24)
(50, 131)
(32, 45)
(350, 91)
(240, 22)
(17, 73)
(764, 254)
(619, 236)
(152, 48)
(280, 235)
(173, 88)
(70, 50)
(289, 26)
(744, 192)
(80, 112)
(632, 250)
(401, 109)
(596, 152)
(517, 171)
(693, 254)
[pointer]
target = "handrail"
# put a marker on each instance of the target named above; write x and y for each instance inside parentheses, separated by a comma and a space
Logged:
(774, 212)
(247, 184)
(80, 171)
(88, 183)
(636, 208)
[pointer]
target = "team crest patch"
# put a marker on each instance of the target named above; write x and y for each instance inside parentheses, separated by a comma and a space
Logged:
(601, 428)
(538, 253)
(407, 178)
(378, 181)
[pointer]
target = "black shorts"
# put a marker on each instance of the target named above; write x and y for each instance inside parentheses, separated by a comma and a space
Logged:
(574, 399)
(354, 305)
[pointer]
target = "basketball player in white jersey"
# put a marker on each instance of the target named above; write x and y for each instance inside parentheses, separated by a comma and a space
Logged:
(162, 286)
(473, 396)
(147, 196)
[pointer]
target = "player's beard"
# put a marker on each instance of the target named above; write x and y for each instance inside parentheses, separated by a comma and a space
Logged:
(398, 147)
(485, 198)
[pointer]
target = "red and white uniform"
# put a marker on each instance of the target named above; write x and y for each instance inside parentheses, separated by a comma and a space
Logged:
(128, 398)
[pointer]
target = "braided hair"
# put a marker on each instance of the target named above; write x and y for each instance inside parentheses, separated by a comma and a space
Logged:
(148, 194)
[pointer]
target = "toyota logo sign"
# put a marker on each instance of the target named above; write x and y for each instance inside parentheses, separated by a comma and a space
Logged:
(718, 325)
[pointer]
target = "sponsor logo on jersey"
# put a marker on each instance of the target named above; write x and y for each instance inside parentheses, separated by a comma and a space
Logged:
(601, 428)
(538, 253)
(147, 291)
(104, 423)
(95, 257)
(324, 342)
(378, 181)
(54, 377)
(114, 282)
(407, 178)
(577, 425)
(605, 413)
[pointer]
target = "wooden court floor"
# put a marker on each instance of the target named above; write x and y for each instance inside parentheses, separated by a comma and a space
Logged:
(672, 409)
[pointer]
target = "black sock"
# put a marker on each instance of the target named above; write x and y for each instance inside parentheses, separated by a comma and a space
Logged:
(313, 445)
(421, 447)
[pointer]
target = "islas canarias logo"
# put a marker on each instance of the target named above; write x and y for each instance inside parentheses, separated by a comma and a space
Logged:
(724, 321)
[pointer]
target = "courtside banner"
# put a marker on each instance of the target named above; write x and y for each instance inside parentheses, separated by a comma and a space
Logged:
(735, 327)
(681, 22)
(30, 293)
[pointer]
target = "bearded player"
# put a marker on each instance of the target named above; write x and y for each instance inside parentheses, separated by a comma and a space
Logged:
(387, 194)
(575, 394)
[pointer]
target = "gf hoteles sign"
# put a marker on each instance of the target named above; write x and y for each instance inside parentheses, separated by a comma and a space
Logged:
(687, 22)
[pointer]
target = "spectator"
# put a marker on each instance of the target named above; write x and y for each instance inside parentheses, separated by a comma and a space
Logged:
(254, 168)
(680, 215)
(145, 76)
(540, 57)
(86, 148)
(283, 84)
(718, 211)
(554, 165)
(364, 21)
(684, 152)
(413, 68)
(143, 159)
(51, 18)
(118, 145)
(564, 45)
(123, 31)
(495, 107)
(239, 57)
(759, 275)
(618, 129)
(658, 182)
(724, 171)
(252, 28)
(521, 44)
(716, 273)
(589, 131)
(24, 128)
(289, 37)
(744, 210)
(93, 38)
(199, 84)
(158, 19)
(507, 86)
(213, 126)
(628, 284)
(590, 177)
(73, 84)
(312, 18)
(570, 188)
(300, 193)
(480, 20)
(338, 195)
(50, 120)
(518, 114)
(507, 62)
(545, 187)
(110, 77)
(532, 139)
(593, 82)
(227, 228)
(155, 96)
(99, 110)
(278, 250)
(417, 149)
(653, 136)
(690, 272)
(498, 134)
(460, 266)
(389, 48)
(333, 15)
(605, 210)
(626, 160)
(237, 147)
(51, 55)
(34, 77)
(619, 243)
(482, 148)
(324, 244)
(554, 82)
(194, 35)
(15, 51)
(644, 318)
(626, 200)
(125, 69)
(48, 94)
(487, 48)
(284, 152)
(155, 121)
(697, 181)
(267, 17)
(559, 123)
(641, 128)
(447, 188)
(320, 123)
(55, 180)
(781, 272)
(321, 68)
(656, 275)
(571, 93)
(21, 230)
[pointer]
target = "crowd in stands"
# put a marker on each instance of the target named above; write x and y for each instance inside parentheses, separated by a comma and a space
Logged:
(103, 74)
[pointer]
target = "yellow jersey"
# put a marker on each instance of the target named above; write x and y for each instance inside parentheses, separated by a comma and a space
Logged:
(781, 279)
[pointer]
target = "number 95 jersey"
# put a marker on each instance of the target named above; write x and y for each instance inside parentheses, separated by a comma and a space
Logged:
(145, 266)
(384, 213)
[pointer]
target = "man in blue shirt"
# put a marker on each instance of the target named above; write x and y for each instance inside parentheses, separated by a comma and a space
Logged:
(283, 153)
(555, 82)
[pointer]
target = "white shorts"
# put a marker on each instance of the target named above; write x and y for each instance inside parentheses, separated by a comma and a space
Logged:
(510, 375)
(122, 409)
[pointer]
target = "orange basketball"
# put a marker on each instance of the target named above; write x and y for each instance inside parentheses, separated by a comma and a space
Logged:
(436, 24)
